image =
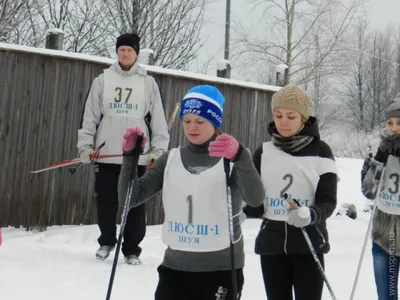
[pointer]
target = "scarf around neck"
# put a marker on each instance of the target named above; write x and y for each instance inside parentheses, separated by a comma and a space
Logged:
(306, 134)
(291, 144)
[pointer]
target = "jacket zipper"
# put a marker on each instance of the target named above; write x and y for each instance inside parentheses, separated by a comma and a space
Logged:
(284, 245)
(320, 233)
(265, 224)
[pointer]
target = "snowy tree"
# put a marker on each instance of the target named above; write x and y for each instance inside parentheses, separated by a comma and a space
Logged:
(171, 28)
(353, 88)
(371, 80)
(289, 31)
(80, 20)
(12, 12)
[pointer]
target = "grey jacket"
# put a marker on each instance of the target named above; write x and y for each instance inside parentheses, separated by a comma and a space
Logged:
(245, 184)
(96, 128)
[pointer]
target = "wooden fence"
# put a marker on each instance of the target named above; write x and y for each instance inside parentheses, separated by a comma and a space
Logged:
(42, 96)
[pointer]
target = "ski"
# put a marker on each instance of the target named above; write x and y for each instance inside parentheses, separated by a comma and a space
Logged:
(92, 157)
(96, 155)
(173, 115)
(70, 162)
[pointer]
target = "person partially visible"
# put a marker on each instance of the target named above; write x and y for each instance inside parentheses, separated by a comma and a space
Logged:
(386, 220)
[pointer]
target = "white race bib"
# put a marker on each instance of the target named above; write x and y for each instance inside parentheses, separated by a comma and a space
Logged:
(295, 176)
(123, 96)
(195, 205)
(389, 196)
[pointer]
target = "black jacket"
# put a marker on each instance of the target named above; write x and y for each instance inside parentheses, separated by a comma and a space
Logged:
(277, 237)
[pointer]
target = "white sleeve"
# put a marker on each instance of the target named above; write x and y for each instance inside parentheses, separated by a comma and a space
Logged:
(158, 124)
(92, 115)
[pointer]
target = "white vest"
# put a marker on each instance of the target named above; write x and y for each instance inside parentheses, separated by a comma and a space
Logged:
(123, 96)
(389, 196)
(123, 106)
(195, 206)
(296, 176)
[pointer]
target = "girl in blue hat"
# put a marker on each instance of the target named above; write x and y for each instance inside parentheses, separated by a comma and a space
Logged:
(196, 263)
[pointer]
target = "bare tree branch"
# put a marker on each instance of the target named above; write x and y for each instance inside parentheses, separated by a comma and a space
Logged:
(299, 23)
(171, 28)
(11, 14)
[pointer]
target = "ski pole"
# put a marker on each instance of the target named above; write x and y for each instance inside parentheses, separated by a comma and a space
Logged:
(136, 153)
(353, 291)
(312, 249)
(231, 232)
(369, 149)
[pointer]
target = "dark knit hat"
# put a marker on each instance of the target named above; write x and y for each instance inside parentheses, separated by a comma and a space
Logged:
(129, 39)
(292, 97)
(393, 110)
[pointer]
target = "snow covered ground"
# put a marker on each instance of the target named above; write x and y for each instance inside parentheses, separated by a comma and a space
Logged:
(60, 263)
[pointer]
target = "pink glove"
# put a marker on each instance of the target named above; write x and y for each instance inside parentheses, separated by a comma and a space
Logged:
(130, 137)
(224, 146)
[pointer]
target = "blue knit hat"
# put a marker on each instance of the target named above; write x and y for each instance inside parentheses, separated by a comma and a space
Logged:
(205, 101)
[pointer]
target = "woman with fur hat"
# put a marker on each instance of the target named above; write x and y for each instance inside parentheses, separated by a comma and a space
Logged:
(196, 264)
(386, 219)
(296, 167)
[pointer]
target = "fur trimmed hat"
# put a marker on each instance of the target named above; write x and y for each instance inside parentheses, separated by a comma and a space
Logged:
(292, 97)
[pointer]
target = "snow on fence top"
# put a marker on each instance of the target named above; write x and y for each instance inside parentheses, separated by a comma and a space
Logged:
(154, 69)
(52, 31)
(222, 64)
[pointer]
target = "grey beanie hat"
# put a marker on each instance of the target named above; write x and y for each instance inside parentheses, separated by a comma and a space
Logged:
(393, 110)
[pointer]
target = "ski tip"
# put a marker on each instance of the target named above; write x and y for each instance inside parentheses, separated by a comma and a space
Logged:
(35, 172)
(39, 171)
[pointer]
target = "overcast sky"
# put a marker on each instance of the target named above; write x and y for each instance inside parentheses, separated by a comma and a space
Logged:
(380, 13)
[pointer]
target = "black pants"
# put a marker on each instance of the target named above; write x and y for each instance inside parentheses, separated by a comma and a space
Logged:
(180, 285)
(282, 273)
(106, 187)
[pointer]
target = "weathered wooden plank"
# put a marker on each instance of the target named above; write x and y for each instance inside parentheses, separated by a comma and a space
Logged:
(41, 104)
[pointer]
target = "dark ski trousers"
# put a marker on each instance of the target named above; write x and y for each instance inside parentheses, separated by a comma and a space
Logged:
(181, 285)
(282, 273)
(106, 187)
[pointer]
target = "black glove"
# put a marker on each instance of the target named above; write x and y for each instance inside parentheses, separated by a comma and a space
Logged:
(384, 150)
(396, 145)
(253, 212)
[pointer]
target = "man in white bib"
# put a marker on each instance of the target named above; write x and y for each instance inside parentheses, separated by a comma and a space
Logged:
(124, 95)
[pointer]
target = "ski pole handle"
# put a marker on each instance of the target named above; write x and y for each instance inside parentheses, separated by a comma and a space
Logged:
(138, 146)
(293, 203)
(137, 151)
(227, 168)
